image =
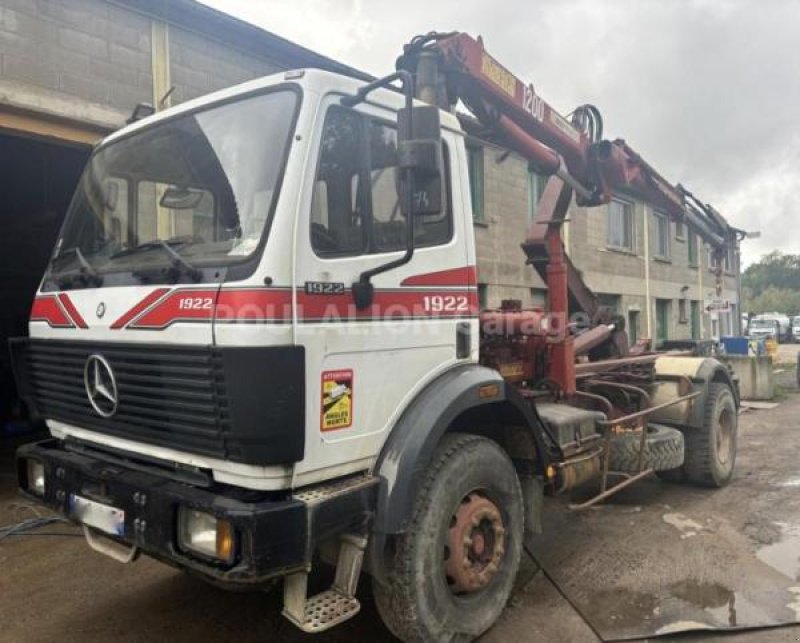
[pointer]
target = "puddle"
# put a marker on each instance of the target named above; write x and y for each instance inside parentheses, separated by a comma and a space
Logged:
(726, 607)
(784, 555)
(685, 525)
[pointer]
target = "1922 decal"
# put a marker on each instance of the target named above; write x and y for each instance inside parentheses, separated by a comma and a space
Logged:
(324, 288)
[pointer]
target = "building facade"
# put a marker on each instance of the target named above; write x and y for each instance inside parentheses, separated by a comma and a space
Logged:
(655, 272)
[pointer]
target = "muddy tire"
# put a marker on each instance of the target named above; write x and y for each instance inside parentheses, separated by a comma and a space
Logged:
(711, 451)
(663, 450)
(435, 593)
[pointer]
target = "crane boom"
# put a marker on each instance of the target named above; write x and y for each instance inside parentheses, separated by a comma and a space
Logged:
(455, 66)
(449, 68)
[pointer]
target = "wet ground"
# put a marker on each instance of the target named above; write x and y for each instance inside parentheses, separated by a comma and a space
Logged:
(653, 547)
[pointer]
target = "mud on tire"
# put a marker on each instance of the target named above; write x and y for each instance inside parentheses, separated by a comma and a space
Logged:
(418, 602)
(663, 450)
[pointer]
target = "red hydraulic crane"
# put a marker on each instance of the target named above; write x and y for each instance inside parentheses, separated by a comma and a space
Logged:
(453, 67)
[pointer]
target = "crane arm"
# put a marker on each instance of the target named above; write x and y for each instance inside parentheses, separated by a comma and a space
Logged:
(449, 67)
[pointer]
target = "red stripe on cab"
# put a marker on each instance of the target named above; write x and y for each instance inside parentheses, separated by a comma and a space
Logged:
(466, 276)
(47, 308)
(66, 302)
(153, 297)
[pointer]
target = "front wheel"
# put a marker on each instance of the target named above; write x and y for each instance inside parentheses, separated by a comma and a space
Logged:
(452, 571)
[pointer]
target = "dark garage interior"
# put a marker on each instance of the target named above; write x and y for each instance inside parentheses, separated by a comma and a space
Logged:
(38, 178)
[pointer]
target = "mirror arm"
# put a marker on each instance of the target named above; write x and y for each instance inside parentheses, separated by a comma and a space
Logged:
(402, 75)
(363, 290)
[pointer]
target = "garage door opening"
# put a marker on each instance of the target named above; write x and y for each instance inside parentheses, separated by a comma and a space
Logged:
(37, 179)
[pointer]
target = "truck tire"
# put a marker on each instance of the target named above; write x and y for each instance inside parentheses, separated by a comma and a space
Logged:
(711, 451)
(450, 574)
(663, 450)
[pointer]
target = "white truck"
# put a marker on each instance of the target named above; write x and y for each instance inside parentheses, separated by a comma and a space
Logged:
(770, 325)
(259, 338)
(796, 329)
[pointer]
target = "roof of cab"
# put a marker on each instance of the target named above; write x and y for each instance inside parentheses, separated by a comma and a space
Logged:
(314, 80)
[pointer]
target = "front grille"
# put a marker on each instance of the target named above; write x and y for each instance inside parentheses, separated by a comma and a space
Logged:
(168, 396)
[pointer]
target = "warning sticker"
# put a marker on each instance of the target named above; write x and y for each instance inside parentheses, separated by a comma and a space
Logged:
(337, 400)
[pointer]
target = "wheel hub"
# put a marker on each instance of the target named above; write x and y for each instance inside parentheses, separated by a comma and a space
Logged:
(475, 546)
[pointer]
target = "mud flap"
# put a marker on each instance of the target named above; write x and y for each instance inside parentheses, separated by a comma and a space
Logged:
(533, 497)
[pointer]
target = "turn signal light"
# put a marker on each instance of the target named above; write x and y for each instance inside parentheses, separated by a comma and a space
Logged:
(205, 534)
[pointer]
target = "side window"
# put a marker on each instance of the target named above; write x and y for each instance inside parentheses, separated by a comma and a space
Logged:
(337, 221)
(115, 210)
(388, 221)
(349, 220)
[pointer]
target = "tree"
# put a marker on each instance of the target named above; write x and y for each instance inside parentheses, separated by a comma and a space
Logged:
(779, 300)
(774, 270)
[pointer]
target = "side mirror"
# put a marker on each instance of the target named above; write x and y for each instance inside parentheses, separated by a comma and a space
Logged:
(420, 152)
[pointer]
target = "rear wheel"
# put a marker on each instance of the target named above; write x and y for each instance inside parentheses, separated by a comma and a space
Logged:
(452, 571)
(711, 451)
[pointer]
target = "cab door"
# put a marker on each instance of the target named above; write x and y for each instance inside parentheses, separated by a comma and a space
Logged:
(364, 365)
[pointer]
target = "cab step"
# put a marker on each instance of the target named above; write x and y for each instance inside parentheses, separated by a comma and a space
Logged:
(333, 606)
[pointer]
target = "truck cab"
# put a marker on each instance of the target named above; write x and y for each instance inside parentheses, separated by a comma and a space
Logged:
(216, 396)
(198, 235)
(258, 339)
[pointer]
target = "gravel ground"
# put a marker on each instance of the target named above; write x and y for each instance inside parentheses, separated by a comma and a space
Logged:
(53, 588)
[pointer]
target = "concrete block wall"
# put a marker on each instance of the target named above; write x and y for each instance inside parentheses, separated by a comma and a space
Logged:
(199, 65)
(615, 275)
(87, 50)
(498, 239)
(94, 53)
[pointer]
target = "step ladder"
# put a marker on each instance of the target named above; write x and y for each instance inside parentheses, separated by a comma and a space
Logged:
(333, 606)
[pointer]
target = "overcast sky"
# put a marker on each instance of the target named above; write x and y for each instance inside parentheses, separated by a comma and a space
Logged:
(708, 91)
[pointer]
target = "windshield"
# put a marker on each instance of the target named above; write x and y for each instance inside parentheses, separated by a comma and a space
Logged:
(200, 185)
(763, 324)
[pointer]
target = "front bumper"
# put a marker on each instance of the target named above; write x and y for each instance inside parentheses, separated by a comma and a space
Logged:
(274, 535)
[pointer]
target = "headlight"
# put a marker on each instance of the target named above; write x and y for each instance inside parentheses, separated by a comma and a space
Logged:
(204, 534)
(35, 476)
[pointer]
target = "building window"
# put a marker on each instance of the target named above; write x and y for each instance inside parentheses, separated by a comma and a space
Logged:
(692, 244)
(662, 235)
(475, 165)
(354, 206)
(682, 317)
(536, 183)
(620, 225)
(716, 260)
(679, 231)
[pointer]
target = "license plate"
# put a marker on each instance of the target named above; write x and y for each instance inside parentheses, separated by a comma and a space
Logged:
(94, 514)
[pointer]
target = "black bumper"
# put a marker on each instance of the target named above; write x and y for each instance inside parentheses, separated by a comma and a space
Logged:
(275, 536)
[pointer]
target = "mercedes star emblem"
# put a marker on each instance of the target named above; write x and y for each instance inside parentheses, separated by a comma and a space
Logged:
(101, 310)
(101, 387)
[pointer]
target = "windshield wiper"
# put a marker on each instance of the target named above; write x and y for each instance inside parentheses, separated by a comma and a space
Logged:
(86, 272)
(179, 262)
